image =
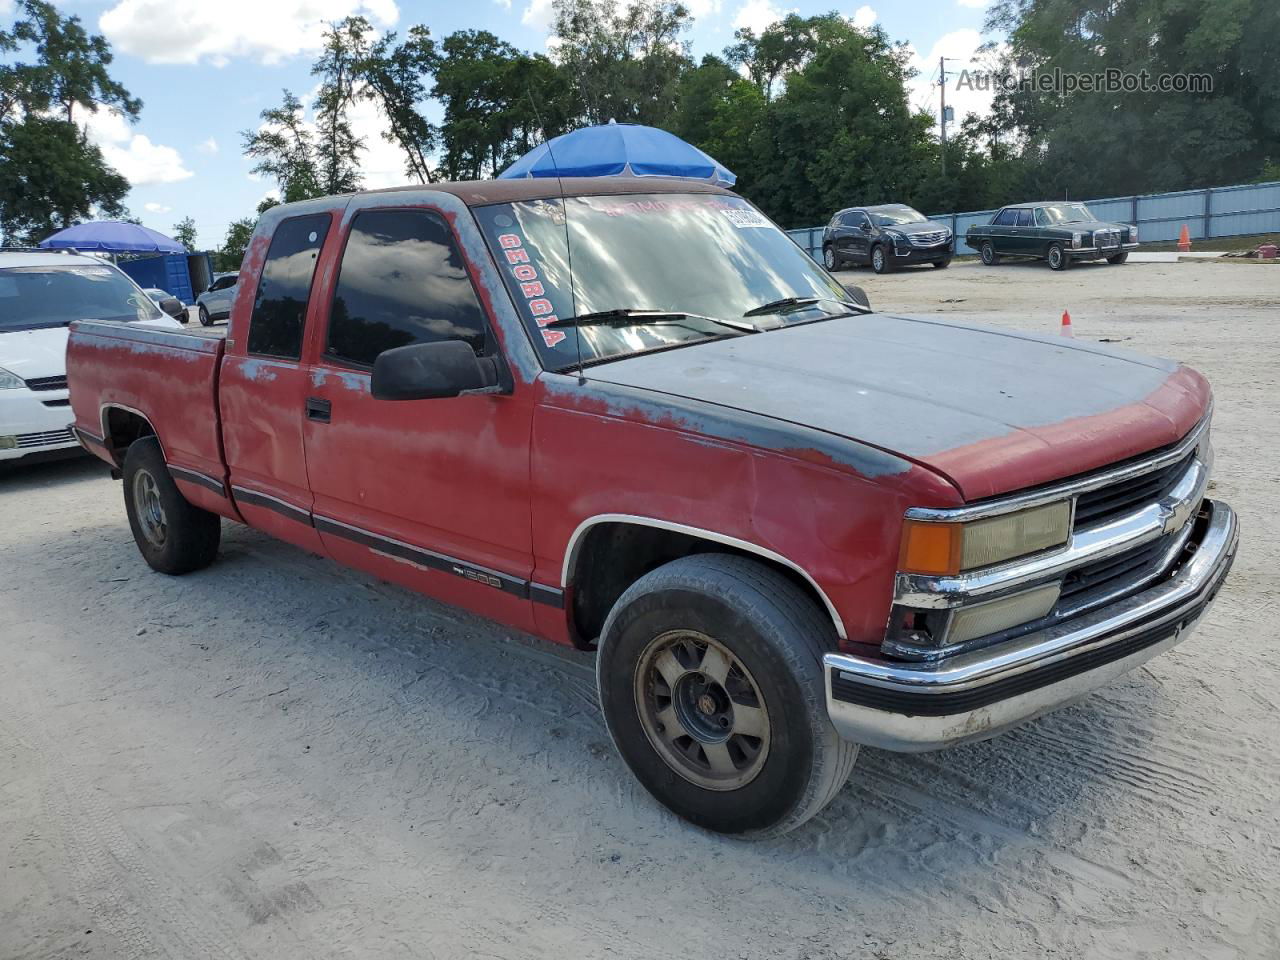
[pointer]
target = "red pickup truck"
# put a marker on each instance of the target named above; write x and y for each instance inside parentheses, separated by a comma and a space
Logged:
(631, 415)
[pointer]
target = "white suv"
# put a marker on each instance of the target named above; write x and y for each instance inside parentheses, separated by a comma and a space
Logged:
(41, 293)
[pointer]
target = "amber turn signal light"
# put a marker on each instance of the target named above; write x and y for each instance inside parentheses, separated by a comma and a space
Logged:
(930, 548)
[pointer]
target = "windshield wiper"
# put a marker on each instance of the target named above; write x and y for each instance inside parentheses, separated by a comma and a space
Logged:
(634, 316)
(774, 306)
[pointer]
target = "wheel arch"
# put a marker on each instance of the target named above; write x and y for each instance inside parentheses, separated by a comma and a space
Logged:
(645, 543)
(121, 426)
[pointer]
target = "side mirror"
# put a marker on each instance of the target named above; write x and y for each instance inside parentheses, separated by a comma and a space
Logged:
(866, 228)
(172, 306)
(422, 371)
(857, 294)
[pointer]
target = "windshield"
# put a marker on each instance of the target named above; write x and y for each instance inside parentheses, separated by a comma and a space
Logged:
(1067, 212)
(707, 255)
(896, 216)
(49, 296)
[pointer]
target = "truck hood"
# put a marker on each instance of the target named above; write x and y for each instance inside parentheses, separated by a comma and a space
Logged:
(991, 410)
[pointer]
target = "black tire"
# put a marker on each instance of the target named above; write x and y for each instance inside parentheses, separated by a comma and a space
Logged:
(1058, 257)
(205, 319)
(942, 264)
(185, 538)
(774, 637)
(988, 253)
(881, 260)
(829, 258)
(1118, 257)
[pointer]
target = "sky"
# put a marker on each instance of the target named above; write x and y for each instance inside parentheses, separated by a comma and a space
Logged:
(205, 70)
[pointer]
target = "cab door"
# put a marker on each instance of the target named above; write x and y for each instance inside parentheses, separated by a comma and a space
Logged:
(433, 494)
(263, 385)
(1003, 231)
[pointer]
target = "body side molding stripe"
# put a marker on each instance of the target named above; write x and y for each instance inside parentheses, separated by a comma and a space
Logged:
(285, 509)
(199, 479)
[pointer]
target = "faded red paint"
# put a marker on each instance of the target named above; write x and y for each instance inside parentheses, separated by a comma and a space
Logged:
(1032, 456)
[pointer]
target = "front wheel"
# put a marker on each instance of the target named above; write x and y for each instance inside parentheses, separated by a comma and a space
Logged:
(1118, 257)
(711, 683)
(1058, 258)
(988, 253)
(881, 262)
(173, 536)
(942, 264)
(205, 319)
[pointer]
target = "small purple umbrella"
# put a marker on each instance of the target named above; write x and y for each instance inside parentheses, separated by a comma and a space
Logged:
(113, 236)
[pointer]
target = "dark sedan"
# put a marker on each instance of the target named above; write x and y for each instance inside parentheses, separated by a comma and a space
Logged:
(1060, 232)
(887, 236)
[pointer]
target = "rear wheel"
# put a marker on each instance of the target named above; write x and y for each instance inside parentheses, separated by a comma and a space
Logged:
(942, 264)
(1118, 257)
(881, 261)
(988, 253)
(711, 683)
(173, 536)
(1058, 258)
(205, 319)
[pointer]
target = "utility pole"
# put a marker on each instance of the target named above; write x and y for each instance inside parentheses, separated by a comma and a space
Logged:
(942, 89)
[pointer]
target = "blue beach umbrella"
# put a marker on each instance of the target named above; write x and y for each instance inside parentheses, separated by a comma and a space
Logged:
(112, 236)
(614, 149)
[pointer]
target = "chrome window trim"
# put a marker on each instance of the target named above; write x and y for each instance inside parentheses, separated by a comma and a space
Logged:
(1168, 514)
(575, 542)
(1021, 501)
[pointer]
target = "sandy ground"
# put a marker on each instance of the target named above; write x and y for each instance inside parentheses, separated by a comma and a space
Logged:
(280, 758)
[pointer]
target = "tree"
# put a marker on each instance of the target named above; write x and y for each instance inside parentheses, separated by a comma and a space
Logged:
(184, 231)
(52, 177)
(498, 102)
(285, 150)
(1104, 143)
(394, 75)
(228, 257)
(338, 148)
(626, 62)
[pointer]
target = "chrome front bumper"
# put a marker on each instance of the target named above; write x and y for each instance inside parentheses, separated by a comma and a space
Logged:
(917, 706)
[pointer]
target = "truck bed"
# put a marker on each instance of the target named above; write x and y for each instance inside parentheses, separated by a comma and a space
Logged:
(126, 373)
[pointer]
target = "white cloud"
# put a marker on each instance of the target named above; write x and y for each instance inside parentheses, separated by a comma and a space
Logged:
(141, 161)
(208, 146)
(191, 31)
(156, 208)
(537, 15)
(757, 15)
(504, 4)
(975, 4)
(960, 47)
(864, 17)
(703, 8)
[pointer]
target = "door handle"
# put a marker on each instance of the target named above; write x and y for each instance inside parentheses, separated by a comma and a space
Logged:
(319, 410)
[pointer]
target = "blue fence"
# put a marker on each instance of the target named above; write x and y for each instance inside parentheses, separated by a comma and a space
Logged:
(1213, 212)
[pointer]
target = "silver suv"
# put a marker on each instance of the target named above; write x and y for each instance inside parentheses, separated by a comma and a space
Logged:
(215, 303)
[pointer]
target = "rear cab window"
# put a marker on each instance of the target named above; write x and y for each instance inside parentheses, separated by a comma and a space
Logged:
(284, 290)
(1005, 218)
(402, 281)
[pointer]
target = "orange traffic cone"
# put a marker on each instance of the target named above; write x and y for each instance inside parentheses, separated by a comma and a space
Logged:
(1066, 324)
(1184, 240)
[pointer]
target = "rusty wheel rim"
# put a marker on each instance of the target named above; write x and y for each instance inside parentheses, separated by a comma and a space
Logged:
(702, 710)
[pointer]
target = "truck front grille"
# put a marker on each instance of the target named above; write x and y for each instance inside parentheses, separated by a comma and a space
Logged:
(1117, 499)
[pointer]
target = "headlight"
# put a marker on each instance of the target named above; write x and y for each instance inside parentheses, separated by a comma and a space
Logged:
(1133, 233)
(942, 549)
(1075, 239)
(895, 236)
(10, 381)
(992, 616)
